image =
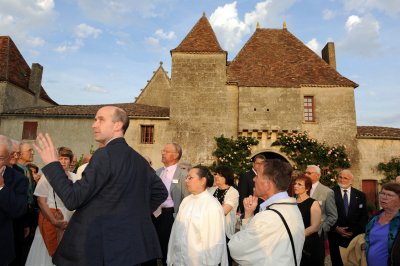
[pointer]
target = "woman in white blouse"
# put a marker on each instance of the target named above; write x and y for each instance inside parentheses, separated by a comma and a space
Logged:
(198, 233)
(228, 197)
(48, 199)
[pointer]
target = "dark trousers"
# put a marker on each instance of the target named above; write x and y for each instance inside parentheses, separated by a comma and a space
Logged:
(335, 240)
(163, 225)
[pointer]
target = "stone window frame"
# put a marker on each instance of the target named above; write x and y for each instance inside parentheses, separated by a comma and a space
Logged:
(309, 108)
(147, 134)
(29, 130)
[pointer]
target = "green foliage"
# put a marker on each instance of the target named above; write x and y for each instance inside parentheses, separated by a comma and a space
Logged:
(234, 153)
(304, 151)
(390, 169)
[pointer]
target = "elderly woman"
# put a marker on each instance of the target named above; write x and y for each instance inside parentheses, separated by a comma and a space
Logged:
(228, 196)
(311, 213)
(382, 228)
(198, 233)
(50, 222)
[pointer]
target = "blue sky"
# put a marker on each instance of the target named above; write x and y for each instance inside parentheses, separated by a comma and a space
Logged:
(104, 51)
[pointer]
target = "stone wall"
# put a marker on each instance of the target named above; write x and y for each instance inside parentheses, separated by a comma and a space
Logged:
(157, 91)
(77, 134)
(373, 151)
(201, 104)
(13, 97)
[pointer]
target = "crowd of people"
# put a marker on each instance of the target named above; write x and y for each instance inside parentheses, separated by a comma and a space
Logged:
(117, 210)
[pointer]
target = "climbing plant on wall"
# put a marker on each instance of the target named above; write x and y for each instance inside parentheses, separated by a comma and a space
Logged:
(234, 153)
(303, 151)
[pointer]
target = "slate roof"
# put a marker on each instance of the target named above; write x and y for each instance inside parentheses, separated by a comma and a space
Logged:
(14, 69)
(378, 132)
(276, 58)
(85, 111)
(201, 39)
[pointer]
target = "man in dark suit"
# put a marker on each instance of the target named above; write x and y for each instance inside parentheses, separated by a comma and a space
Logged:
(113, 200)
(246, 182)
(352, 215)
(13, 201)
(173, 178)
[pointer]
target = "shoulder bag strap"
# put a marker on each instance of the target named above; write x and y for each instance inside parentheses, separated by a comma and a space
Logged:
(289, 233)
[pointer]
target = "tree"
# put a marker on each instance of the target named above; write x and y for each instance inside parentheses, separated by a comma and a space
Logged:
(304, 151)
(234, 153)
(390, 169)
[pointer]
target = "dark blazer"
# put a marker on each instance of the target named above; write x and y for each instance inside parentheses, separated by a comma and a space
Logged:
(114, 201)
(357, 216)
(13, 204)
(245, 187)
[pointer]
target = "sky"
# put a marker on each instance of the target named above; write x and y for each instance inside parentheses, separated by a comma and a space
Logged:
(105, 51)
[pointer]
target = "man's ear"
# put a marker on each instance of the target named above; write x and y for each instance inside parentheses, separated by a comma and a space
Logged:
(118, 126)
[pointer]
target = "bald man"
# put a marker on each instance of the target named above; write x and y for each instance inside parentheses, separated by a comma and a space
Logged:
(114, 199)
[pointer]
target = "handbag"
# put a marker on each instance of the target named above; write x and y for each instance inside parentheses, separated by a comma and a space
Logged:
(51, 234)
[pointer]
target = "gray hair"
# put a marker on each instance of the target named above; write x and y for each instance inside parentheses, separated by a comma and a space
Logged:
(178, 149)
(316, 168)
(4, 140)
(348, 172)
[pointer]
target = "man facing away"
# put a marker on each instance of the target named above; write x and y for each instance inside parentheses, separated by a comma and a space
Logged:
(352, 212)
(13, 201)
(263, 238)
(113, 200)
(246, 182)
(326, 199)
(173, 178)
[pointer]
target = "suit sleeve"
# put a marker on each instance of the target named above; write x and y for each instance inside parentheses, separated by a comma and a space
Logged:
(13, 199)
(158, 191)
(243, 190)
(359, 226)
(94, 178)
(330, 211)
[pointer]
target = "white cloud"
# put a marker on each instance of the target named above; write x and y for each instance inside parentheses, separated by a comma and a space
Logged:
(83, 31)
(314, 45)
(153, 42)
(35, 41)
(94, 88)
(362, 36)
(34, 53)
(165, 35)
(20, 19)
(328, 14)
(391, 7)
(121, 12)
(230, 29)
(69, 47)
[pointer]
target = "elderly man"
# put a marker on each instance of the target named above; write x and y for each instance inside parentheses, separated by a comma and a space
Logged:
(326, 199)
(13, 201)
(352, 211)
(113, 200)
(275, 235)
(173, 178)
(246, 182)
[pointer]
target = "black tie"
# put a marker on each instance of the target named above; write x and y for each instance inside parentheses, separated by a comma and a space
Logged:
(345, 201)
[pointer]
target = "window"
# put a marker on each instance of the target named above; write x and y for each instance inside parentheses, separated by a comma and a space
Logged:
(29, 130)
(309, 109)
(147, 134)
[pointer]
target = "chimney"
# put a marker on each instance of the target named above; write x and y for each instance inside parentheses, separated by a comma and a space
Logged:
(328, 54)
(35, 81)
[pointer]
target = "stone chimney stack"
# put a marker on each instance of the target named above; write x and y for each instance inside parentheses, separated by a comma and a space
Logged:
(35, 80)
(328, 54)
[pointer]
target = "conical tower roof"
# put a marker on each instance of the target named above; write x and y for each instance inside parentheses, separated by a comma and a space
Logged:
(201, 39)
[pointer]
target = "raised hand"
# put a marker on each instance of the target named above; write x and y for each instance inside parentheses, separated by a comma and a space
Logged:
(45, 147)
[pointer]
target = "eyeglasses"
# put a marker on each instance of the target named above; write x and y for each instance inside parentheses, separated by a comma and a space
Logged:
(188, 177)
(309, 173)
(165, 151)
(382, 194)
(3, 159)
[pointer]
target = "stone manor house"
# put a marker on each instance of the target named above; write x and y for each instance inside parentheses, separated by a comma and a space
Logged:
(274, 85)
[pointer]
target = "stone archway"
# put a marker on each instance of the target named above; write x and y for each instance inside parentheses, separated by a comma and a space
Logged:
(272, 155)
